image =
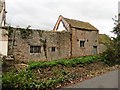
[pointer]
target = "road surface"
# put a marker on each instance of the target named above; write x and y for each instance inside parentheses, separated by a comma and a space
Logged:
(109, 80)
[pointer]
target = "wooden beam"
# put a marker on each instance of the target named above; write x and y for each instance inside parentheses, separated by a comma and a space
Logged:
(57, 23)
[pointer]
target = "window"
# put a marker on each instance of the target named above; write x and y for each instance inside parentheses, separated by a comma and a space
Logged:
(53, 49)
(82, 43)
(35, 49)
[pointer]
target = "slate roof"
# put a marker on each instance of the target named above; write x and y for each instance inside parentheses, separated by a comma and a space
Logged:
(80, 24)
(103, 39)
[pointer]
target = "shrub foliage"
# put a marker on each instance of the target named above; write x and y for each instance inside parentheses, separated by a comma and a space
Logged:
(27, 79)
(112, 54)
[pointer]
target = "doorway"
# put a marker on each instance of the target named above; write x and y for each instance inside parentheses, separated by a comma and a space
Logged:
(94, 50)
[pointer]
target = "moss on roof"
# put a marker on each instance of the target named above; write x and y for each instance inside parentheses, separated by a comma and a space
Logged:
(80, 24)
(104, 39)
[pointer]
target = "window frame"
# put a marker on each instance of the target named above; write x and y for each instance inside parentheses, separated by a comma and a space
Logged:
(35, 49)
(53, 49)
(82, 43)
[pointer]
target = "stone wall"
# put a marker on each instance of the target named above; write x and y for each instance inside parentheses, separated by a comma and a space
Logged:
(60, 41)
(102, 48)
(91, 39)
(53, 45)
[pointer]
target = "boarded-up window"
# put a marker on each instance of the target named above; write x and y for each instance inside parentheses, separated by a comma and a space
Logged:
(35, 49)
(82, 43)
(53, 49)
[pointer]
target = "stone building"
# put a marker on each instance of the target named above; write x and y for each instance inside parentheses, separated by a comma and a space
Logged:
(104, 40)
(84, 36)
(78, 39)
(39, 45)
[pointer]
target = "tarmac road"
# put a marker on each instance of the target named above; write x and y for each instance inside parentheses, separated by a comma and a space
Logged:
(108, 80)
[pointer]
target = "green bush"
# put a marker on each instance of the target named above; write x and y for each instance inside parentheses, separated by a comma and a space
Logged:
(20, 80)
(109, 57)
(63, 62)
(24, 80)
(66, 62)
(112, 55)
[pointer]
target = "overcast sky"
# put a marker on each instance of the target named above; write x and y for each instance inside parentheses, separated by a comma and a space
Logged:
(43, 14)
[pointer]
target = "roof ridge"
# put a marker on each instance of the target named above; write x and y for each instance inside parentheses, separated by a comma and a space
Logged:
(80, 24)
(76, 20)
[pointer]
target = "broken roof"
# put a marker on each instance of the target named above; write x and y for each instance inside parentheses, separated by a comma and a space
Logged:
(80, 24)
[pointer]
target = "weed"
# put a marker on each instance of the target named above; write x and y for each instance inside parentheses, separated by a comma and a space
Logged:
(26, 79)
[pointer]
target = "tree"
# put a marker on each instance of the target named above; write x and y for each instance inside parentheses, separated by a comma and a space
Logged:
(112, 54)
(116, 42)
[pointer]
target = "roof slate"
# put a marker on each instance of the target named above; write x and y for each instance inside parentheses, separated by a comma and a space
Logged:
(80, 24)
(103, 39)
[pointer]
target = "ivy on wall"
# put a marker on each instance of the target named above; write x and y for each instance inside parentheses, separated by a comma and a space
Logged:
(40, 32)
(25, 33)
(43, 41)
(9, 30)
